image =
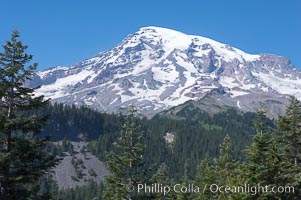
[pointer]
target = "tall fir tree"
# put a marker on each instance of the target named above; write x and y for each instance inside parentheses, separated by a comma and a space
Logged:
(126, 162)
(264, 161)
(289, 136)
(186, 183)
(225, 162)
(207, 174)
(23, 160)
(227, 167)
(222, 171)
(162, 177)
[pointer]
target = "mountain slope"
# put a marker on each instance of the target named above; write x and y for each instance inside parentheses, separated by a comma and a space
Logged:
(78, 169)
(157, 68)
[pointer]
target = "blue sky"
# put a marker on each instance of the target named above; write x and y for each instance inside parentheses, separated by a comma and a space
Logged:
(62, 32)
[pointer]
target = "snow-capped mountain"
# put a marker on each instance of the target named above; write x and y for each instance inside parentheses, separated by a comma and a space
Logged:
(157, 68)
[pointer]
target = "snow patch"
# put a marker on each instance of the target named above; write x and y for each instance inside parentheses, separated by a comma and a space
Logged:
(172, 39)
(60, 86)
(228, 82)
(281, 85)
(235, 93)
(44, 73)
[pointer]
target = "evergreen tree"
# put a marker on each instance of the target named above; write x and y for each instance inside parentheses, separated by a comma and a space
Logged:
(264, 162)
(223, 171)
(22, 157)
(289, 136)
(162, 176)
(207, 174)
(126, 162)
(185, 182)
(226, 166)
(226, 163)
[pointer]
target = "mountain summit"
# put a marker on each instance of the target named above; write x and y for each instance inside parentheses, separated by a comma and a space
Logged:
(157, 68)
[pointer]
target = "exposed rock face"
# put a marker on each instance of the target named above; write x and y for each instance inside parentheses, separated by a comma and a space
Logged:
(92, 169)
(156, 68)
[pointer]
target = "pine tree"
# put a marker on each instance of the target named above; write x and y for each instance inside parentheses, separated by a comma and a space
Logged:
(185, 182)
(264, 161)
(162, 176)
(207, 174)
(23, 160)
(222, 171)
(126, 162)
(225, 161)
(226, 166)
(289, 136)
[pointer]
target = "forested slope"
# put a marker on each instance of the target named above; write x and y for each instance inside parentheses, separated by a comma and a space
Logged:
(195, 133)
